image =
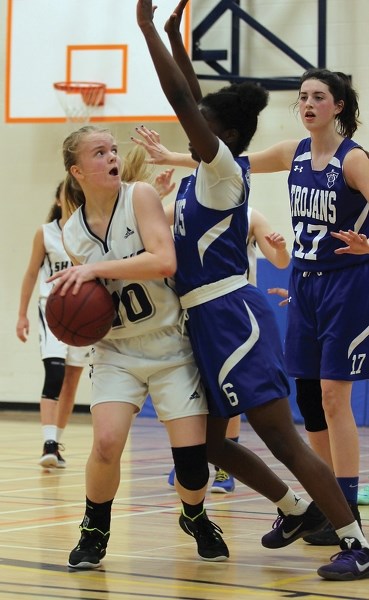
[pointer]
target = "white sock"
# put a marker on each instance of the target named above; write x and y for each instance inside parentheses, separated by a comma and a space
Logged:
(292, 504)
(353, 531)
(49, 432)
(59, 433)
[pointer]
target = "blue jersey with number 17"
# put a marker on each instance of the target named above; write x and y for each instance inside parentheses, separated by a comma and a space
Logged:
(322, 202)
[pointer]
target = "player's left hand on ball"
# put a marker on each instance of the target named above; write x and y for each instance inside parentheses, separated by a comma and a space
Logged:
(73, 276)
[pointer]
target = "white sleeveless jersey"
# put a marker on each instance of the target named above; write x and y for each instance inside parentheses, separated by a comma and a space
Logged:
(251, 252)
(142, 306)
(56, 257)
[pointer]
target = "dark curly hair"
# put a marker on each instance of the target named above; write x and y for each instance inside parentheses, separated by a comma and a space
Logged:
(237, 106)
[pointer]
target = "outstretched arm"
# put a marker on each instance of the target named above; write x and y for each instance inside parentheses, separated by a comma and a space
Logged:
(172, 28)
(176, 87)
(159, 154)
(278, 157)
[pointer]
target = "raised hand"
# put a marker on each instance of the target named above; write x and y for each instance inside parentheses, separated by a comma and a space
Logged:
(163, 183)
(145, 12)
(159, 154)
(173, 24)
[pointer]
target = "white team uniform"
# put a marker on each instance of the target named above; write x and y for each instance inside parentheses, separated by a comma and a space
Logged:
(145, 352)
(55, 260)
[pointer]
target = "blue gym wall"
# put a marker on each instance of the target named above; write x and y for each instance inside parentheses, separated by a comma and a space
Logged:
(269, 276)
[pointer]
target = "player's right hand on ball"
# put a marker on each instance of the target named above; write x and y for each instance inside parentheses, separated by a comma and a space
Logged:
(73, 276)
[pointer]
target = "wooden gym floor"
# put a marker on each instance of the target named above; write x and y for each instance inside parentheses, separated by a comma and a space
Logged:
(149, 557)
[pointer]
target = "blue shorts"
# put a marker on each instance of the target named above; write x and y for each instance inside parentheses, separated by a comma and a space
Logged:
(238, 350)
(328, 324)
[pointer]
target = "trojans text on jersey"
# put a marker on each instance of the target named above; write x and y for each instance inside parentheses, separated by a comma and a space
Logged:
(314, 203)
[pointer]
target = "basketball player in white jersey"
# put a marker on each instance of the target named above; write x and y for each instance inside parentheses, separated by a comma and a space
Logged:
(63, 364)
(119, 233)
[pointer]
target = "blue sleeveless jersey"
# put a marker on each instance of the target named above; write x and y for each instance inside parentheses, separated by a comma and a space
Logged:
(234, 336)
(321, 202)
(210, 244)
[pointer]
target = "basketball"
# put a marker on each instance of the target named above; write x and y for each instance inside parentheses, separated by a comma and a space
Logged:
(81, 319)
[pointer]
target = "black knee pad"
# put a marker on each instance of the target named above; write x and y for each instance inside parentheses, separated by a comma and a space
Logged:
(54, 375)
(191, 465)
(309, 401)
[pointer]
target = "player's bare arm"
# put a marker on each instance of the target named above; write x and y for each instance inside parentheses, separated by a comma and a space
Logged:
(356, 171)
(271, 244)
(157, 261)
(176, 87)
(172, 28)
(159, 258)
(28, 284)
(276, 158)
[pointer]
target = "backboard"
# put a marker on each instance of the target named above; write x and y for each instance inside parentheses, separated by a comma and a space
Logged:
(83, 40)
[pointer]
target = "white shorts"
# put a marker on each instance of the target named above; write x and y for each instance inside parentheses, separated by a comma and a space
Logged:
(51, 347)
(160, 364)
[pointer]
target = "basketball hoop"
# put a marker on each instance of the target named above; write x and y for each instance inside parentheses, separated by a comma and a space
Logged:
(81, 100)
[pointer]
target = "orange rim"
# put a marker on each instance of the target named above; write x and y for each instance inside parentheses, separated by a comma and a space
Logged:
(92, 92)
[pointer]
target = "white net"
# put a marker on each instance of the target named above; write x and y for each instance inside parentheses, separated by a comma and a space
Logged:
(81, 100)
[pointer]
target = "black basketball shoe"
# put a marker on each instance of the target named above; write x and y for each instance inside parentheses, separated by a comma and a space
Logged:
(90, 549)
(210, 544)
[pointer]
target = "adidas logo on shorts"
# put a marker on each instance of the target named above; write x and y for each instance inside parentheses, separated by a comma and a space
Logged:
(128, 233)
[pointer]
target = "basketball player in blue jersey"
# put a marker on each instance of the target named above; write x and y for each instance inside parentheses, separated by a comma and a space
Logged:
(63, 364)
(232, 330)
(329, 188)
(273, 248)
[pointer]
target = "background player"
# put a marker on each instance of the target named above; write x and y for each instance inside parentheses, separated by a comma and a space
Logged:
(63, 364)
